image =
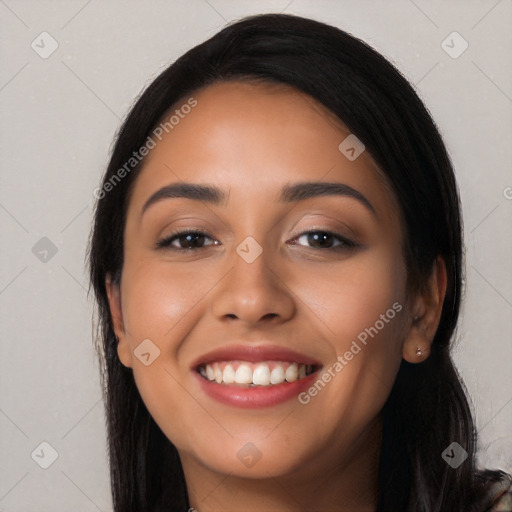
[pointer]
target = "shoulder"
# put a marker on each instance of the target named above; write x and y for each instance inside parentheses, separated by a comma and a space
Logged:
(499, 492)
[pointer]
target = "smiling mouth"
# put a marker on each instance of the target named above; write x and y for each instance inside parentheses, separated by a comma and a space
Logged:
(255, 374)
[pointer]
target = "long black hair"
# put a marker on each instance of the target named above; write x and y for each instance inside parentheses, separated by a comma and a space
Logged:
(428, 408)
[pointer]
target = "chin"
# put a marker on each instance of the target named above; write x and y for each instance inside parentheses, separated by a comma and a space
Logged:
(254, 460)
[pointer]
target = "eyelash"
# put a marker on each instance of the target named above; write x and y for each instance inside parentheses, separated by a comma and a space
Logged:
(165, 243)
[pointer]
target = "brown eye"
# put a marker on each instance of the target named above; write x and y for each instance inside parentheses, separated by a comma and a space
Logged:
(190, 240)
(326, 240)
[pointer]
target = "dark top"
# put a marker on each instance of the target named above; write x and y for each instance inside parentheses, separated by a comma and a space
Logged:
(499, 497)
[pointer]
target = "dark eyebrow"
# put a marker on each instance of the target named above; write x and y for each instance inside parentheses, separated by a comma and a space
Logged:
(207, 193)
(289, 193)
(306, 190)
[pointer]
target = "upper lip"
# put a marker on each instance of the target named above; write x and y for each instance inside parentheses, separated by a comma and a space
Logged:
(254, 354)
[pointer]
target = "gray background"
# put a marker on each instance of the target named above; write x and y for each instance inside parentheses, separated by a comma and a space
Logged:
(59, 115)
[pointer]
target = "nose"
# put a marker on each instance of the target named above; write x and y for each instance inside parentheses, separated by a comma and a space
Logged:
(254, 292)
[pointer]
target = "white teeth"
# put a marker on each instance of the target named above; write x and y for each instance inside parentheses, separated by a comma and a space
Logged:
(228, 376)
(292, 373)
(257, 374)
(277, 375)
(261, 375)
(218, 373)
(243, 374)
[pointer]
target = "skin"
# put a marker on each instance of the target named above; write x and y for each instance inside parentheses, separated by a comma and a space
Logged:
(250, 140)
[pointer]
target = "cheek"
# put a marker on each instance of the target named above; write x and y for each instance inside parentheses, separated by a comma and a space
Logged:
(162, 303)
(361, 298)
(360, 311)
(158, 297)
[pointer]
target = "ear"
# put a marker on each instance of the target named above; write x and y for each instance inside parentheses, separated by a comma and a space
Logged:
(116, 312)
(425, 315)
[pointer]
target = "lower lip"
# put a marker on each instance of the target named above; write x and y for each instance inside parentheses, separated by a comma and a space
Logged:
(257, 396)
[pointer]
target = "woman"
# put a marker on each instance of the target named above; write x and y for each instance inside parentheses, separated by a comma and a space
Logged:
(277, 260)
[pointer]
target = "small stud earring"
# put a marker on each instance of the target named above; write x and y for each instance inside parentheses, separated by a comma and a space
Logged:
(419, 352)
(416, 318)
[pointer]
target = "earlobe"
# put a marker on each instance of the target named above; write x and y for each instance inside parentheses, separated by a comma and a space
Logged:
(426, 315)
(116, 312)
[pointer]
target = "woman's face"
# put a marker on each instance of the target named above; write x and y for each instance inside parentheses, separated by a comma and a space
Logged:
(267, 294)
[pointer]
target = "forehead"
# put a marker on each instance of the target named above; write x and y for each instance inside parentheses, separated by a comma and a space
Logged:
(251, 139)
